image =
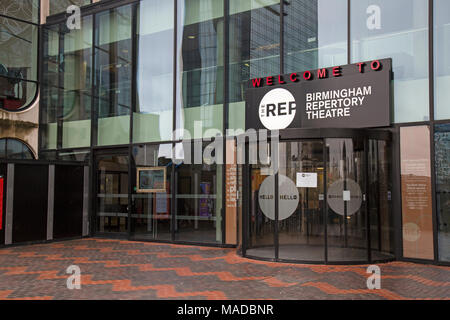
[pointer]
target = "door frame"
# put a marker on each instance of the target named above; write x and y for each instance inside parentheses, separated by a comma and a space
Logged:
(108, 151)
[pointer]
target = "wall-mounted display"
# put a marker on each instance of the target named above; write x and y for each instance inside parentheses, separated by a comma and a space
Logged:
(151, 180)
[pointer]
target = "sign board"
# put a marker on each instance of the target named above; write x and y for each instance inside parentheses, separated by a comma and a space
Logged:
(350, 96)
(288, 197)
(306, 180)
(150, 180)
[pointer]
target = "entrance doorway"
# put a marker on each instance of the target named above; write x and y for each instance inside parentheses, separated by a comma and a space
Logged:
(111, 190)
(333, 199)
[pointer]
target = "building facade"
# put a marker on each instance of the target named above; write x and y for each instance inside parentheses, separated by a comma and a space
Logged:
(132, 89)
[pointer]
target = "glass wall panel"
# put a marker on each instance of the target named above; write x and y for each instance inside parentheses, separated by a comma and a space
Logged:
(315, 34)
(442, 58)
(442, 161)
(57, 6)
(76, 86)
(18, 63)
(153, 117)
(198, 195)
(113, 75)
(200, 40)
(398, 30)
(254, 51)
(50, 93)
(346, 216)
(27, 10)
(151, 215)
(14, 149)
(379, 200)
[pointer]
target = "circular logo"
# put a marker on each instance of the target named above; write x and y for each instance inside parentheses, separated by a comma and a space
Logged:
(288, 197)
(337, 195)
(277, 109)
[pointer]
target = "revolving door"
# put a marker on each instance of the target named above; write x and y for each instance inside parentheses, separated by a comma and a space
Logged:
(328, 201)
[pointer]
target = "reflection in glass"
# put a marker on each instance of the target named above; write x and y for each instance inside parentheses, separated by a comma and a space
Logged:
(151, 215)
(441, 58)
(301, 236)
(15, 149)
(198, 198)
(112, 193)
(113, 74)
(153, 119)
(27, 10)
(315, 34)
(398, 30)
(442, 162)
(58, 6)
(254, 50)
(200, 67)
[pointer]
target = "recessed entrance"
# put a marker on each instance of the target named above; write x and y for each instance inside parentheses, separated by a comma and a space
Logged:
(334, 195)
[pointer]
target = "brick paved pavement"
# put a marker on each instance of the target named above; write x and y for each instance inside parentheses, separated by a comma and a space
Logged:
(114, 269)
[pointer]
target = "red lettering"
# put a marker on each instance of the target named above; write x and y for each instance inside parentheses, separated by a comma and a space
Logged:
(337, 72)
(269, 81)
(361, 65)
(256, 83)
(375, 65)
(321, 73)
(280, 80)
(293, 77)
(307, 75)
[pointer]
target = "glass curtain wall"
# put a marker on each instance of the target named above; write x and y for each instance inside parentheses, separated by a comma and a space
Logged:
(153, 116)
(253, 50)
(58, 6)
(442, 162)
(200, 65)
(113, 75)
(18, 53)
(315, 34)
(442, 59)
(67, 77)
(398, 30)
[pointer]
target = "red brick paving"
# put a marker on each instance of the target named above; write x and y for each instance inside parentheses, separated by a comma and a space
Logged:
(114, 269)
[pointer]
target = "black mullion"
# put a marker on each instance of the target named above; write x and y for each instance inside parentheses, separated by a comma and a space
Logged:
(225, 115)
(60, 112)
(276, 240)
(281, 36)
(23, 21)
(173, 180)
(325, 199)
(92, 164)
(349, 55)
(366, 195)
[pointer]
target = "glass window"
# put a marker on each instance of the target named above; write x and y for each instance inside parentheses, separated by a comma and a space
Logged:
(254, 51)
(113, 74)
(27, 10)
(14, 149)
(442, 161)
(18, 63)
(315, 34)
(398, 30)
(151, 216)
(442, 59)
(198, 196)
(57, 6)
(153, 118)
(200, 67)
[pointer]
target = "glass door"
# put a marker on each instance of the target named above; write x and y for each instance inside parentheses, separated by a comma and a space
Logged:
(301, 228)
(111, 193)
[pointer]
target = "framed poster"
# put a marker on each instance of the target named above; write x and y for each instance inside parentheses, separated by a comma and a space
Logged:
(150, 180)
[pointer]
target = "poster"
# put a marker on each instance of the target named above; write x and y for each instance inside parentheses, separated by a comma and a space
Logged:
(417, 221)
(205, 206)
(151, 180)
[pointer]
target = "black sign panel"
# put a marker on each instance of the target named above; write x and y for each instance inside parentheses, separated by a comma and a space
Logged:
(351, 96)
